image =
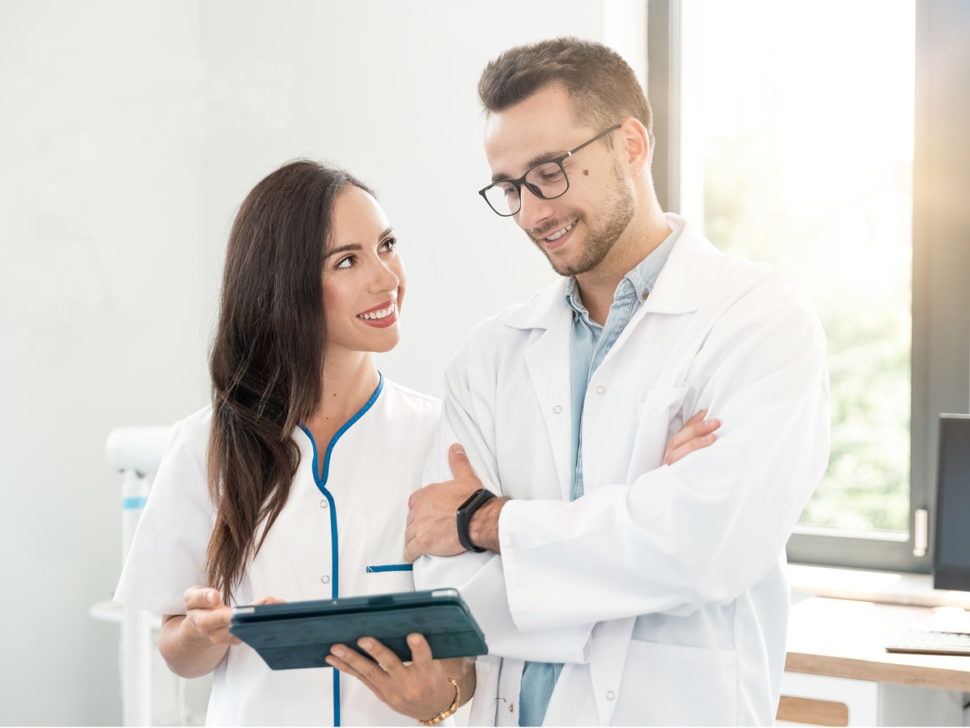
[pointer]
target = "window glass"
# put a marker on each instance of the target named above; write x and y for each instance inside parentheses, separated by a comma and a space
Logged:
(797, 150)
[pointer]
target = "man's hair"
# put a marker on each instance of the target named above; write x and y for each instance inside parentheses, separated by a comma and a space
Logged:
(602, 86)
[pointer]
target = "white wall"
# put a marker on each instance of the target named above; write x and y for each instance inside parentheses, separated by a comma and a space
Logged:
(129, 134)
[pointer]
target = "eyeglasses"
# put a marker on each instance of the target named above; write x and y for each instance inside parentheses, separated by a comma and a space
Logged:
(547, 181)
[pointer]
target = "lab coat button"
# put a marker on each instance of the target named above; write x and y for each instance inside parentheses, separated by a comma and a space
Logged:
(610, 695)
(323, 503)
(557, 409)
(325, 579)
(600, 389)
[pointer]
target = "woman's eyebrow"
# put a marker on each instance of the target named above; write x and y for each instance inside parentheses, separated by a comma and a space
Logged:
(341, 249)
(355, 246)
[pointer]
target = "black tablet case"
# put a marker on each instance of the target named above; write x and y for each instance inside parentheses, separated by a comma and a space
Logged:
(300, 634)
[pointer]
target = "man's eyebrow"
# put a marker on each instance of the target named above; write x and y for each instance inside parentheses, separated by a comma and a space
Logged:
(536, 160)
(356, 246)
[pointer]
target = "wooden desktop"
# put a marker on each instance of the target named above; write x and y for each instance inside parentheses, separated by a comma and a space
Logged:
(847, 638)
(840, 624)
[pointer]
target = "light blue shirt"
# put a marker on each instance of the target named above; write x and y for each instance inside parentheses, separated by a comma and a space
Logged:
(589, 343)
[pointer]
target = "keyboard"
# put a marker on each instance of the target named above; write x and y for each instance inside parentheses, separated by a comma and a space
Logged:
(930, 643)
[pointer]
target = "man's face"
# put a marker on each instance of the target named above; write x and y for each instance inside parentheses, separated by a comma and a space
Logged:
(576, 231)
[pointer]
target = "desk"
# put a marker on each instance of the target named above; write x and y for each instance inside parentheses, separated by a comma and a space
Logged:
(843, 638)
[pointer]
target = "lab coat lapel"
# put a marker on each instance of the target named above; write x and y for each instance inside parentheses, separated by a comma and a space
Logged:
(686, 281)
(548, 362)
(689, 276)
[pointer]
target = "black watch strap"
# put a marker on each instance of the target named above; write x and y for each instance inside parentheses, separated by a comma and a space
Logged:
(465, 512)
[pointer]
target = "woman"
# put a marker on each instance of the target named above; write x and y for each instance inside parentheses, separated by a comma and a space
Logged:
(294, 483)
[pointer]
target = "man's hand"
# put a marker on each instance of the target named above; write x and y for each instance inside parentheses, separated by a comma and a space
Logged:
(432, 526)
(694, 435)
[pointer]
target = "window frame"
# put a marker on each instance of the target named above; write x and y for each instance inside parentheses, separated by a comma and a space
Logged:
(940, 359)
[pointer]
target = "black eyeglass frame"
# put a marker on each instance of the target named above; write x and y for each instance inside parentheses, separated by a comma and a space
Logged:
(532, 188)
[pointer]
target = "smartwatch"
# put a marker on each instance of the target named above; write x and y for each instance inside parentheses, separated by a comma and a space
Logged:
(465, 511)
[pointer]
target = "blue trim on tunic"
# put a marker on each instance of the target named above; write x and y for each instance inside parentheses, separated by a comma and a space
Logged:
(389, 567)
(321, 481)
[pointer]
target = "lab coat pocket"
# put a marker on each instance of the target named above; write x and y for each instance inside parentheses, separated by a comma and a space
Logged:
(388, 578)
(660, 413)
(675, 685)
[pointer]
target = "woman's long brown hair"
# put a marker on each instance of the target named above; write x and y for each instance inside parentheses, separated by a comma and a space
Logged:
(267, 358)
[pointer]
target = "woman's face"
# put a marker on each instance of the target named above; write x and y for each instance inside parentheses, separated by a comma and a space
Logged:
(363, 276)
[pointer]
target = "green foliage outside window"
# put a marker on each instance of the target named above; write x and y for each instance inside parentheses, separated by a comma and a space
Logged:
(808, 167)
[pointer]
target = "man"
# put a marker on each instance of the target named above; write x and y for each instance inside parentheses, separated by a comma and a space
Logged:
(613, 588)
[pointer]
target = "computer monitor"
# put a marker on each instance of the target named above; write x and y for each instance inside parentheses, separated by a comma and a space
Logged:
(951, 558)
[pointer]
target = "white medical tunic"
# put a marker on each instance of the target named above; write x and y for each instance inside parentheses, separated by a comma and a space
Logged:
(341, 533)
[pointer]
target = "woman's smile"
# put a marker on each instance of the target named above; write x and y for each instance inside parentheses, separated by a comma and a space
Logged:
(380, 316)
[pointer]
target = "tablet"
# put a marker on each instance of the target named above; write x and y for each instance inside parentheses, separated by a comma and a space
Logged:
(299, 634)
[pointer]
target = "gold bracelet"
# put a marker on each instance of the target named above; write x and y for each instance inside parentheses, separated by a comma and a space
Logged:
(447, 711)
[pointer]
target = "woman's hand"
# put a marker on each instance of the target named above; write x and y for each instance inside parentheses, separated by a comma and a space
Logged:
(206, 617)
(696, 433)
(419, 689)
(195, 642)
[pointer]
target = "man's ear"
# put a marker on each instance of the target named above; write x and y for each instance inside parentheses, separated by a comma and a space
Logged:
(634, 145)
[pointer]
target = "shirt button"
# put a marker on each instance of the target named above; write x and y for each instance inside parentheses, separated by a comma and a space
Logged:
(557, 409)
(325, 579)
(511, 707)
(610, 695)
(645, 294)
(324, 504)
(600, 389)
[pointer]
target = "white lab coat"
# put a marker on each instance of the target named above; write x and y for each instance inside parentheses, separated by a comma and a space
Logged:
(374, 465)
(697, 548)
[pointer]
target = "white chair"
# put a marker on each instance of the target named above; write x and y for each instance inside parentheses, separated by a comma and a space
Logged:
(135, 452)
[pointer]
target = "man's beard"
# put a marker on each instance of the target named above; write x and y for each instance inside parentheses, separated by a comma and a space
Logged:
(619, 207)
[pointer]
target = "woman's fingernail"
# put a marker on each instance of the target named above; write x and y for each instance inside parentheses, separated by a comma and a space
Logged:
(337, 650)
(413, 639)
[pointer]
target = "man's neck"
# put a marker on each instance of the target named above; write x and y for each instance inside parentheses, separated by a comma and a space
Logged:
(597, 286)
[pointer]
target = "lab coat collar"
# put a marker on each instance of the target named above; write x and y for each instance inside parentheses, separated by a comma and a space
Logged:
(689, 276)
(686, 280)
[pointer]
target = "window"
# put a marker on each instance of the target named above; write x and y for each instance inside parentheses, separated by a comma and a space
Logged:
(789, 135)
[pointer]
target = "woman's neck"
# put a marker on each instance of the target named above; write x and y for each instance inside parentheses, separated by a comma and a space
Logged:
(348, 382)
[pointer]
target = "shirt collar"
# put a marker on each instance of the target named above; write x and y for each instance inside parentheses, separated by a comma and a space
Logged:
(641, 278)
